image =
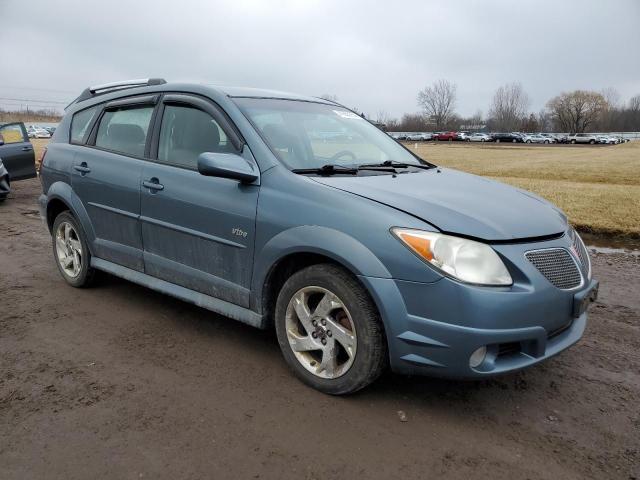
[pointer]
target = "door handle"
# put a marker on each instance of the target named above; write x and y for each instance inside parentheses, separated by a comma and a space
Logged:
(27, 149)
(82, 168)
(153, 184)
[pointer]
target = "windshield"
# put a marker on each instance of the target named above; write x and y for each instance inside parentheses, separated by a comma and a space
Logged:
(306, 135)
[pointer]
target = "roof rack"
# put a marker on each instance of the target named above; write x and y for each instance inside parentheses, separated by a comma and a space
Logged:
(113, 86)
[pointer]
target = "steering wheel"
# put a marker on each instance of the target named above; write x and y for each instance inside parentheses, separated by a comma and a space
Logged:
(344, 153)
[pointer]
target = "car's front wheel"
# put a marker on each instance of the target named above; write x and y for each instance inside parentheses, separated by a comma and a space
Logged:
(329, 330)
(71, 252)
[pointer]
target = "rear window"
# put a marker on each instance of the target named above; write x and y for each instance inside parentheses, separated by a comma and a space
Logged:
(79, 124)
(125, 130)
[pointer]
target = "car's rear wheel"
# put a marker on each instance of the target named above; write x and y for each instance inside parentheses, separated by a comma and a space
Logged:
(329, 330)
(592, 142)
(497, 140)
(71, 252)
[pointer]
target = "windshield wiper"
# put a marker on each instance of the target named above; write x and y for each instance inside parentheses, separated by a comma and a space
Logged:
(328, 169)
(392, 164)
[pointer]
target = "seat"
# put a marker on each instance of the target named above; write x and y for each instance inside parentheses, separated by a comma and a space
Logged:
(126, 138)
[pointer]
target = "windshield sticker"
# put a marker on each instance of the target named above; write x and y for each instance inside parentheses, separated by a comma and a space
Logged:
(346, 114)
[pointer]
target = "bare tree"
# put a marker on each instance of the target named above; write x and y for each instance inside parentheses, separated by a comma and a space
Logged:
(544, 120)
(610, 116)
(438, 102)
(577, 111)
(383, 117)
(631, 115)
(612, 97)
(509, 107)
(412, 122)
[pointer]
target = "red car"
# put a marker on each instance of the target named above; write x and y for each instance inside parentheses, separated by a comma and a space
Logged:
(446, 136)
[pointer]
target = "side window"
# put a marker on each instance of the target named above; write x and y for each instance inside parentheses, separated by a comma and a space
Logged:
(12, 134)
(187, 132)
(125, 130)
(79, 124)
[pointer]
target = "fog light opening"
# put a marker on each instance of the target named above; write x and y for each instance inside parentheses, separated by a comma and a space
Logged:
(477, 357)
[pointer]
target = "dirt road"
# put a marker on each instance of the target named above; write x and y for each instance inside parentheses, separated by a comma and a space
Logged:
(120, 382)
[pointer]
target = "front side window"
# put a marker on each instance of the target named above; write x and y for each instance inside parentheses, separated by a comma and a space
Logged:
(125, 130)
(12, 133)
(311, 135)
(187, 132)
(79, 124)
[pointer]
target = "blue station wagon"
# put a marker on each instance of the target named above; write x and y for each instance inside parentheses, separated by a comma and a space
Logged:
(295, 213)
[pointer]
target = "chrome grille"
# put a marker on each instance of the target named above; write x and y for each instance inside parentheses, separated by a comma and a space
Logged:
(581, 251)
(557, 265)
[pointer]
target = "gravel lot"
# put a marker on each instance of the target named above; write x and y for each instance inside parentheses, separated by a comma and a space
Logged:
(117, 381)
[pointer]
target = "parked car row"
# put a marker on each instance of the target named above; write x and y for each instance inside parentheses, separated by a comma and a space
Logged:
(35, 131)
(511, 137)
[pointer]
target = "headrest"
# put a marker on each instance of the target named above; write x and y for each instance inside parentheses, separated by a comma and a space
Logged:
(126, 133)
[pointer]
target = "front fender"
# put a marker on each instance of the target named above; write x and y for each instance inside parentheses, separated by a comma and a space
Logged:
(62, 191)
(331, 243)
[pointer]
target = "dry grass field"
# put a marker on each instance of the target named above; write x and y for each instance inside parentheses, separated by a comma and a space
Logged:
(597, 187)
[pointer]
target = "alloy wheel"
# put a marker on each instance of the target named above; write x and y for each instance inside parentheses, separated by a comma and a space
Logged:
(321, 332)
(69, 249)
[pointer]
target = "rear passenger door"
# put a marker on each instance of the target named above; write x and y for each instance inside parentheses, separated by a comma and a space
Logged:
(107, 173)
(16, 151)
(198, 231)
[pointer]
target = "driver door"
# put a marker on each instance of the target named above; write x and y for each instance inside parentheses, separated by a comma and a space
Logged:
(197, 231)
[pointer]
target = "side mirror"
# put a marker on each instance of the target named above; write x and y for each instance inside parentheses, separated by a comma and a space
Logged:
(226, 165)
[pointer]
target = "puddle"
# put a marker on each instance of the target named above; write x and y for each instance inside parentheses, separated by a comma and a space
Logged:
(610, 250)
(609, 245)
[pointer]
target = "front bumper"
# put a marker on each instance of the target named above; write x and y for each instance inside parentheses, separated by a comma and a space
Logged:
(433, 328)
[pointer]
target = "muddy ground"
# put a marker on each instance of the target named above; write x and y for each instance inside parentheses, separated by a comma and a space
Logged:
(121, 382)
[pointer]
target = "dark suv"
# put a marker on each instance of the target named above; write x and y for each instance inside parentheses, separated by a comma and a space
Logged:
(293, 212)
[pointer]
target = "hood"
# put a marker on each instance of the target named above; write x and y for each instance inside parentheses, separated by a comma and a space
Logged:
(460, 203)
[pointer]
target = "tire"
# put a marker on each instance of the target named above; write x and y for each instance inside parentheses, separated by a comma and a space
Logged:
(483, 140)
(497, 140)
(352, 311)
(78, 273)
(546, 142)
(591, 142)
(528, 141)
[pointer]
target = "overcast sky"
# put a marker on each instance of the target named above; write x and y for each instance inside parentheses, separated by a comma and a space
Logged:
(373, 55)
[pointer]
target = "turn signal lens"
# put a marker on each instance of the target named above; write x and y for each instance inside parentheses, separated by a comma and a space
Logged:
(465, 260)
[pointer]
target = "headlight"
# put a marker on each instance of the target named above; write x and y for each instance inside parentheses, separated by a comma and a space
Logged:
(466, 260)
